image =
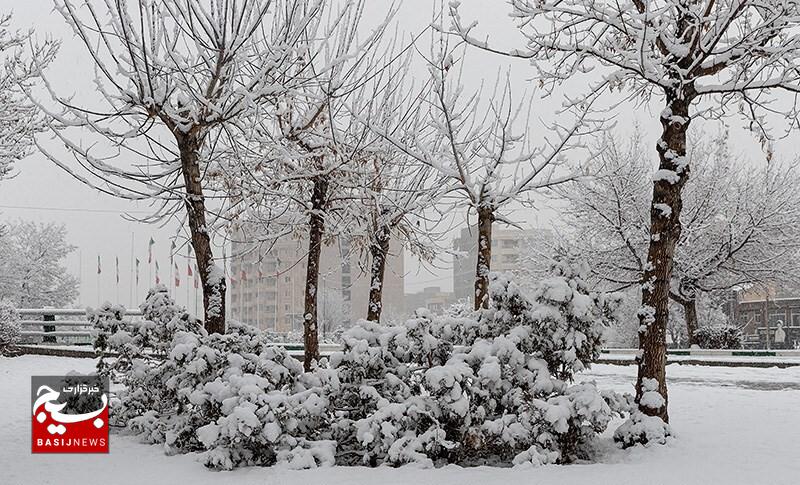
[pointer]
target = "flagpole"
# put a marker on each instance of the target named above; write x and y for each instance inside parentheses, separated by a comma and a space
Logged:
(116, 275)
(80, 270)
(188, 265)
(196, 269)
(258, 302)
(136, 279)
(131, 276)
(98, 281)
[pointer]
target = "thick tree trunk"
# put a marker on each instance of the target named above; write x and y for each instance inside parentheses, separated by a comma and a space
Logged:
(665, 230)
(316, 229)
(211, 277)
(690, 313)
(379, 250)
(483, 267)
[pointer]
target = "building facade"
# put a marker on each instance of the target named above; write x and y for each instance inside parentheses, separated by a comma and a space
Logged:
(432, 298)
(761, 313)
(267, 287)
(510, 247)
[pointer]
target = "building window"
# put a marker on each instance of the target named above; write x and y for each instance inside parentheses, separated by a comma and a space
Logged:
(776, 317)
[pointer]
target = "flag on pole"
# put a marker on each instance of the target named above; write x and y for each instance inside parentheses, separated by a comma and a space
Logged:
(172, 252)
(158, 280)
(260, 271)
(177, 276)
(244, 275)
(99, 269)
(189, 269)
(116, 266)
(150, 250)
(137, 271)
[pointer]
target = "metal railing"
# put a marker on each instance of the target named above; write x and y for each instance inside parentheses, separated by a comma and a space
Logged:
(68, 326)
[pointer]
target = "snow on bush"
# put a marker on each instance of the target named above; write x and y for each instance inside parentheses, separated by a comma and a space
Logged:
(232, 397)
(720, 336)
(491, 386)
(9, 328)
(641, 428)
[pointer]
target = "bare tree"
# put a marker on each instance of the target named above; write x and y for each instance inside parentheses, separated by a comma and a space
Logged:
(32, 257)
(315, 147)
(740, 222)
(172, 77)
(487, 155)
(731, 53)
(399, 193)
(20, 119)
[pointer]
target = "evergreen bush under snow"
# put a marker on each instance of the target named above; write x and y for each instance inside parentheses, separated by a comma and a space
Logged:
(9, 328)
(493, 386)
(719, 336)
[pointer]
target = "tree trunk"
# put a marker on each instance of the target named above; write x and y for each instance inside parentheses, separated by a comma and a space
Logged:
(665, 230)
(690, 313)
(483, 267)
(316, 229)
(686, 297)
(211, 277)
(379, 250)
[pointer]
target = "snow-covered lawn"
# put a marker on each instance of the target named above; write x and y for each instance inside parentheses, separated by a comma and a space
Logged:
(733, 426)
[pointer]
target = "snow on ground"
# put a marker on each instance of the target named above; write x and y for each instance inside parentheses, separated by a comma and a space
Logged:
(737, 359)
(733, 426)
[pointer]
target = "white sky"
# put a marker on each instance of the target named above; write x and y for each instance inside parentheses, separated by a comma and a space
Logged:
(94, 221)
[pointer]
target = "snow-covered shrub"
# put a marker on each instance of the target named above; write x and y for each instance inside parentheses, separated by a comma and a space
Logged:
(133, 352)
(491, 386)
(139, 342)
(245, 402)
(640, 428)
(722, 336)
(233, 397)
(468, 387)
(9, 328)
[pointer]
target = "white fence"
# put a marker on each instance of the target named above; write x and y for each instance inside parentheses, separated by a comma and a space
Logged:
(68, 326)
(71, 327)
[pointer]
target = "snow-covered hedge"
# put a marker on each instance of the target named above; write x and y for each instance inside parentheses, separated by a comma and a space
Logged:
(482, 387)
(721, 336)
(232, 397)
(492, 386)
(9, 328)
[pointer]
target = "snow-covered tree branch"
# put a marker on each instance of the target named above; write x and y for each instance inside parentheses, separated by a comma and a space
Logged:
(20, 120)
(741, 221)
(32, 257)
(730, 52)
(483, 147)
(172, 78)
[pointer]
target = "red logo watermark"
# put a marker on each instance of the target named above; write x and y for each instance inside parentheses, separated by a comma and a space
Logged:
(69, 414)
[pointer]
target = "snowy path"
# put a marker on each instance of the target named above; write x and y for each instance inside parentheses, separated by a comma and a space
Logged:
(734, 426)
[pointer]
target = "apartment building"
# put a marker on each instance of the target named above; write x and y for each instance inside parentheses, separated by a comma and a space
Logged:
(267, 286)
(431, 297)
(509, 250)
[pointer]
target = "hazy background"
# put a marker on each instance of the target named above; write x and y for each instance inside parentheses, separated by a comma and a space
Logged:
(42, 192)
